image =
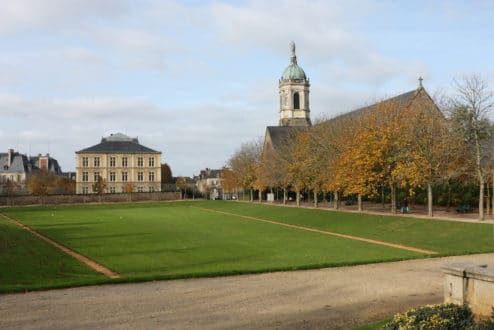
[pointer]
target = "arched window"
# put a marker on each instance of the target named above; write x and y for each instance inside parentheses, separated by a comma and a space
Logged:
(296, 101)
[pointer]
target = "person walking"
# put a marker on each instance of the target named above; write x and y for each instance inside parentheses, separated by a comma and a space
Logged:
(404, 206)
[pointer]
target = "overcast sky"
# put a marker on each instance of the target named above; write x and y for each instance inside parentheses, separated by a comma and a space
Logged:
(196, 79)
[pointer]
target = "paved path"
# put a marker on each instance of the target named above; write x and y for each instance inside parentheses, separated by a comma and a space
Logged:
(326, 298)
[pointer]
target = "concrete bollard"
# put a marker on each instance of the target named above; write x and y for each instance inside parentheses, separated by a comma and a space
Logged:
(471, 284)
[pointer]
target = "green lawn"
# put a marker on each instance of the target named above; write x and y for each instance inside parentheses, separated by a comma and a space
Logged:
(174, 240)
(445, 237)
(26, 263)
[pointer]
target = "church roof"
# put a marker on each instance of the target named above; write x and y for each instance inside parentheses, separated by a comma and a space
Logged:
(402, 100)
(280, 135)
(118, 143)
(293, 72)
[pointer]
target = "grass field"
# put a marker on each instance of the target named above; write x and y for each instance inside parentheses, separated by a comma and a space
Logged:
(176, 240)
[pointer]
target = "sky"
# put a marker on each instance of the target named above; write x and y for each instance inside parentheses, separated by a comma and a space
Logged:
(196, 79)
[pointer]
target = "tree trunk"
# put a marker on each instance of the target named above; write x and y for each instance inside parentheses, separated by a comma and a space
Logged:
(284, 195)
(448, 202)
(260, 196)
(336, 201)
(382, 195)
(393, 198)
(429, 199)
(298, 198)
(487, 199)
(251, 195)
(481, 196)
(315, 198)
(480, 176)
(359, 202)
(492, 210)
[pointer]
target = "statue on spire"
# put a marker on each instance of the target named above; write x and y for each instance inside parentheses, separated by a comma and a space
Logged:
(293, 58)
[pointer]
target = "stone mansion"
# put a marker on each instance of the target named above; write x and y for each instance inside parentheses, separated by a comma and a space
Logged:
(122, 162)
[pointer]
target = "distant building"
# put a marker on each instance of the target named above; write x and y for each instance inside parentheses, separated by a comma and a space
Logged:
(209, 183)
(122, 162)
(17, 168)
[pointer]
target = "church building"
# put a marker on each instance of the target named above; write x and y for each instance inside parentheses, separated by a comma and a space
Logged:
(294, 104)
(294, 108)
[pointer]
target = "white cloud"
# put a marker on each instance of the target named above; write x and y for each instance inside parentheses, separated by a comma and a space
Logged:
(196, 79)
(35, 15)
(82, 55)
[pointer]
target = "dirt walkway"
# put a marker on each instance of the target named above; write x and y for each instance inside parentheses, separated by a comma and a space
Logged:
(314, 230)
(416, 211)
(326, 298)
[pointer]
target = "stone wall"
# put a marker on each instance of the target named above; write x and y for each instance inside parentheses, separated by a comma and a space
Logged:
(81, 199)
(472, 284)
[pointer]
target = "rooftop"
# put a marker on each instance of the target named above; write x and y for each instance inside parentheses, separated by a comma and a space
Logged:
(118, 143)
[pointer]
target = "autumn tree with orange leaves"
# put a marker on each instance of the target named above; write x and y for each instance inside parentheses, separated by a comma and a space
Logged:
(379, 152)
(229, 181)
(244, 164)
(273, 170)
(431, 139)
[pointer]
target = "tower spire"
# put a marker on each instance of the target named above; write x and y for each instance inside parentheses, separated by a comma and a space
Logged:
(293, 58)
(294, 94)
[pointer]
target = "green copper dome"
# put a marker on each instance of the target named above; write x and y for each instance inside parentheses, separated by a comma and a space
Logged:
(293, 72)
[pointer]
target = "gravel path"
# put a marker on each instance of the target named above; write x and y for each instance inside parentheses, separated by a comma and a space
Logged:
(325, 298)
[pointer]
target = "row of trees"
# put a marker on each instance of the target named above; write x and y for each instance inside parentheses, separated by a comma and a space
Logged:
(395, 144)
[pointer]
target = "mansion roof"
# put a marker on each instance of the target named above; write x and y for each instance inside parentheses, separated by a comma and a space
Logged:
(15, 162)
(119, 144)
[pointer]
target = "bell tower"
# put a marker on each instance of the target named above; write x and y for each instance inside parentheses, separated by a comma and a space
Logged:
(294, 94)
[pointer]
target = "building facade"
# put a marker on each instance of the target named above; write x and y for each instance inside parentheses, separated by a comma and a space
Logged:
(17, 168)
(209, 183)
(124, 164)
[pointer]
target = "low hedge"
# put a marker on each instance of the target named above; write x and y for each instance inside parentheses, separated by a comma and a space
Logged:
(442, 316)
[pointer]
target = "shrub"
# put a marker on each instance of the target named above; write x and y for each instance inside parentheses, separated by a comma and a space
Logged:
(486, 324)
(443, 316)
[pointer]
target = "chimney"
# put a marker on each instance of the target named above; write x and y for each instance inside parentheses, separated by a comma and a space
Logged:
(10, 157)
(43, 162)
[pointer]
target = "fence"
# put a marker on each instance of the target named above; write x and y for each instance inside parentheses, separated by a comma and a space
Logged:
(92, 198)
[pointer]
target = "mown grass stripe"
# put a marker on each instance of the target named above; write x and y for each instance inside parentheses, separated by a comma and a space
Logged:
(356, 238)
(89, 262)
